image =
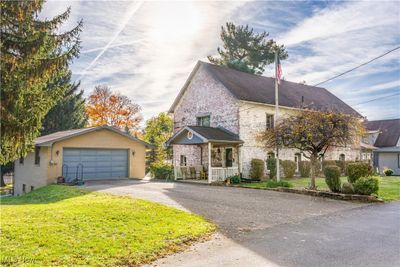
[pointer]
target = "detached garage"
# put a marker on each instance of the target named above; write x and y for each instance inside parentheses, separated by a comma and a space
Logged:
(93, 153)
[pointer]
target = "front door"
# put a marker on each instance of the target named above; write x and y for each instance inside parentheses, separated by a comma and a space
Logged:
(228, 157)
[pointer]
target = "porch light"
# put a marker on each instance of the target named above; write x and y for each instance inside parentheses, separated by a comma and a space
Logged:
(133, 153)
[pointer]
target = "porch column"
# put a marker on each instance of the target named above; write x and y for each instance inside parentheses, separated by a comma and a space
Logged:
(209, 163)
(239, 158)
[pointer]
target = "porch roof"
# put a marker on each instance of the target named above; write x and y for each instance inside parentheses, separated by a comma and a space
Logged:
(194, 135)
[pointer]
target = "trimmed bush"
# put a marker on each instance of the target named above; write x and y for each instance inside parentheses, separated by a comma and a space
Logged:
(388, 172)
(235, 179)
(162, 170)
(357, 170)
(342, 165)
(347, 188)
(274, 184)
(257, 168)
(366, 186)
(328, 163)
(304, 168)
(289, 168)
(332, 178)
(271, 166)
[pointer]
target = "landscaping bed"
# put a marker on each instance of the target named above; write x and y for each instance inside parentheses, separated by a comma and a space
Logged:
(66, 226)
(389, 189)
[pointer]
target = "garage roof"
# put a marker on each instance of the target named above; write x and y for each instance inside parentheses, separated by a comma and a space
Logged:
(48, 140)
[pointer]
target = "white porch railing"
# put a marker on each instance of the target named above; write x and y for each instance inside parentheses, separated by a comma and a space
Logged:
(221, 173)
(217, 173)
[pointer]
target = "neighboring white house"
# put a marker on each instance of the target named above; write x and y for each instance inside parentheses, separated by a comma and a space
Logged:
(219, 112)
(385, 135)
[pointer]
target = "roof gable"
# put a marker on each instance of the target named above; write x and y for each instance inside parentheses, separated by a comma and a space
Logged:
(50, 139)
(389, 132)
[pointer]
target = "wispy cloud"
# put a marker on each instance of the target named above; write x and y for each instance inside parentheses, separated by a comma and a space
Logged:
(147, 50)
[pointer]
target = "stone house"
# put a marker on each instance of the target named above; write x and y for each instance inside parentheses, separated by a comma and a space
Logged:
(385, 136)
(220, 111)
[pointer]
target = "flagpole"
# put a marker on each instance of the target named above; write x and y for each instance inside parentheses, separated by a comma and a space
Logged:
(278, 174)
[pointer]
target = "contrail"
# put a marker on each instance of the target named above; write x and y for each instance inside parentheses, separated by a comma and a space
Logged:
(111, 46)
(132, 10)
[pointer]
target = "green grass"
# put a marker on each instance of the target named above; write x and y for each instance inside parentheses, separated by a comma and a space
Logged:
(65, 226)
(389, 187)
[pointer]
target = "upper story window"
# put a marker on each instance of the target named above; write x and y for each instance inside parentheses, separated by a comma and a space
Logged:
(270, 121)
(204, 121)
(37, 155)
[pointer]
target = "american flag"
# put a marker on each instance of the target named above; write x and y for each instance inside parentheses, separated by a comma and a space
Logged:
(278, 71)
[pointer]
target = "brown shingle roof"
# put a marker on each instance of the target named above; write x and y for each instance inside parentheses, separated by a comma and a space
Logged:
(261, 89)
(389, 132)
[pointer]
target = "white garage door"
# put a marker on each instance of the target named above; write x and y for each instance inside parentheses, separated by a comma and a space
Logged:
(95, 164)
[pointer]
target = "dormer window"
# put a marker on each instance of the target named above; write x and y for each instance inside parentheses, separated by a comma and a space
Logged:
(204, 121)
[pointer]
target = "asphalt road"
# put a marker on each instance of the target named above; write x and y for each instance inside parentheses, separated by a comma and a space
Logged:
(265, 228)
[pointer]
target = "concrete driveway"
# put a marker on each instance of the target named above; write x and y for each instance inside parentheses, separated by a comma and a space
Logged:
(265, 228)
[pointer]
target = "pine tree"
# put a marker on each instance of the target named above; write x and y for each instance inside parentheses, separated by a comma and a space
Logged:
(245, 50)
(69, 113)
(34, 55)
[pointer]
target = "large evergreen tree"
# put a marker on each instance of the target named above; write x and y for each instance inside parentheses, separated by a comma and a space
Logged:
(245, 50)
(69, 113)
(34, 55)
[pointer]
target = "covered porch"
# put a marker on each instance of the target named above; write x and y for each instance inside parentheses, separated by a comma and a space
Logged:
(205, 154)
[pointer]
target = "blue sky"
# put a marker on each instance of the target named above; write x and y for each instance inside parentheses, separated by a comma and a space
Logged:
(146, 50)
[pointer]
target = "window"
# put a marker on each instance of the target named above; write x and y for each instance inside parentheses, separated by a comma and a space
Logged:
(23, 188)
(32, 188)
(183, 160)
(204, 121)
(342, 157)
(37, 155)
(270, 121)
(21, 160)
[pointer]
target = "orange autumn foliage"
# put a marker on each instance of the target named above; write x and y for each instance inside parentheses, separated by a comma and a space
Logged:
(107, 108)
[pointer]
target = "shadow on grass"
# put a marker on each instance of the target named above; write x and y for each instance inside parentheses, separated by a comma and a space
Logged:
(45, 195)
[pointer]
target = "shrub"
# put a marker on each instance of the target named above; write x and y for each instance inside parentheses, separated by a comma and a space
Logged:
(289, 168)
(346, 166)
(388, 172)
(271, 166)
(235, 179)
(256, 168)
(347, 188)
(332, 178)
(274, 184)
(357, 170)
(161, 170)
(304, 168)
(342, 165)
(328, 163)
(366, 186)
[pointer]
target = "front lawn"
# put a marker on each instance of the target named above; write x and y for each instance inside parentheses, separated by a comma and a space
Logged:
(65, 226)
(389, 187)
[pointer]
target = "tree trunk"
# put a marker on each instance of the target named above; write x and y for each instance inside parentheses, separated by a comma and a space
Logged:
(313, 171)
(2, 183)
